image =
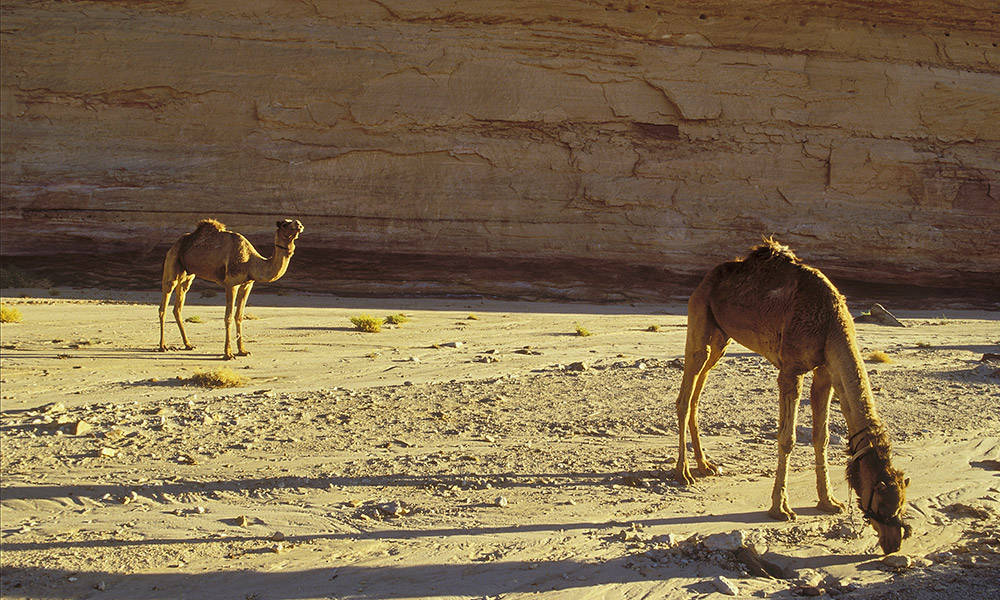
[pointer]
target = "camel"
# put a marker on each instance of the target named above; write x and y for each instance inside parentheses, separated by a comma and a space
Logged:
(793, 315)
(213, 252)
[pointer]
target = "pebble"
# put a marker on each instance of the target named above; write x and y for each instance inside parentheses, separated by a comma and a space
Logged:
(809, 590)
(726, 586)
(501, 501)
(452, 344)
(897, 561)
(576, 366)
(392, 509)
(82, 428)
(242, 521)
(728, 541)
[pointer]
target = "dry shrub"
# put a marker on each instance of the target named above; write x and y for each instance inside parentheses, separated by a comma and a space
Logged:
(653, 328)
(397, 319)
(582, 331)
(472, 318)
(878, 357)
(219, 378)
(9, 314)
(367, 323)
(193, 319)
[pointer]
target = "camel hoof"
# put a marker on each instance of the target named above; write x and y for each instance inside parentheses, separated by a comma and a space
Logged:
(708, 469)
(189, 347)
(243, 353)
(831, 506)
(228, 356)
(683, 476)
(781, 514)
(161, 349)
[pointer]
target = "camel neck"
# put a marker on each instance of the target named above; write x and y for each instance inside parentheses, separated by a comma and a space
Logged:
(850, 379)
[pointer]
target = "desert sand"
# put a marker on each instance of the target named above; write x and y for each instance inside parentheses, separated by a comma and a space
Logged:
(482, 449)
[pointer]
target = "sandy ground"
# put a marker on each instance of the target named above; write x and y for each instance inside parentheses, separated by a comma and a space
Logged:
(462, 455)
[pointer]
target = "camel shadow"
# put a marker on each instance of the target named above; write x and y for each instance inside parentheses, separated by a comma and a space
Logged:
(118, 353)
(477, 577)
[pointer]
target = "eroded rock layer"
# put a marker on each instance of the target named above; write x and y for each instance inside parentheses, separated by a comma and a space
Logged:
(660, 135)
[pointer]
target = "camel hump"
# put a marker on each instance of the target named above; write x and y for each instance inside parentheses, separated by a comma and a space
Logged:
(206, 224)
(771, 249)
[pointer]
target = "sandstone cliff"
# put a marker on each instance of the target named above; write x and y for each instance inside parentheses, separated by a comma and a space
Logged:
(509, 147)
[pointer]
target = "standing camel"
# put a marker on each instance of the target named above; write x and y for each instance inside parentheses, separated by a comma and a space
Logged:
(792, 315)
(227, 258)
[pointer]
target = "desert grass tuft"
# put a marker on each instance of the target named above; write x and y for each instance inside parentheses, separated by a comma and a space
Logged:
(397, 319)
(367, 323)
(9, 314)
(878, 357)
(582, 331)
(219, 378)
(653, 328)
(193, 319)
(472, 318)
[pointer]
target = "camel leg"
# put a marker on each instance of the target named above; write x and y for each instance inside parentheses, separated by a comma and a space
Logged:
(182, 289)
(241, 304)
(168, 289)
(230, 303)
(819, 399)
(701, 332)
(717, 347)
(789, 388)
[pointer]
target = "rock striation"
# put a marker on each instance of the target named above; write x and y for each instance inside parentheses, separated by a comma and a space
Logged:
(570, 148)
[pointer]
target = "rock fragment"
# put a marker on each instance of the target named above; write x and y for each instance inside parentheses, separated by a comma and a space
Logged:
(880, 316)
(897, 562)
(726, 586)
(81, 427)
(730, 541)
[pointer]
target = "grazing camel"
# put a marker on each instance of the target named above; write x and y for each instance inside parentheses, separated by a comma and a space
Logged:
(792, 315)
(227, 258)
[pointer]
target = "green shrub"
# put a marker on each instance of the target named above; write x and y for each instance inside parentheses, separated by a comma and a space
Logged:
(367, 323)
(397, 319)
(9, 314)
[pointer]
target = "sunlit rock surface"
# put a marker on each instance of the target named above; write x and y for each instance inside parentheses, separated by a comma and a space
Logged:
(577, 149)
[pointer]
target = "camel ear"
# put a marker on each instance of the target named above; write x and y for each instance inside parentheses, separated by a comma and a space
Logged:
(277, 224)
(906, 482)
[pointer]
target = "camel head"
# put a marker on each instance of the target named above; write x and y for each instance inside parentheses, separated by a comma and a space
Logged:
(881, 492)
(288, 231)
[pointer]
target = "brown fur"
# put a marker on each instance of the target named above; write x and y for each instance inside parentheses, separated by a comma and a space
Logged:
(225, 257)
(792, 315)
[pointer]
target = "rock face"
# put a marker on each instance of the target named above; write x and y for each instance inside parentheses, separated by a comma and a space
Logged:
(587, 147)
